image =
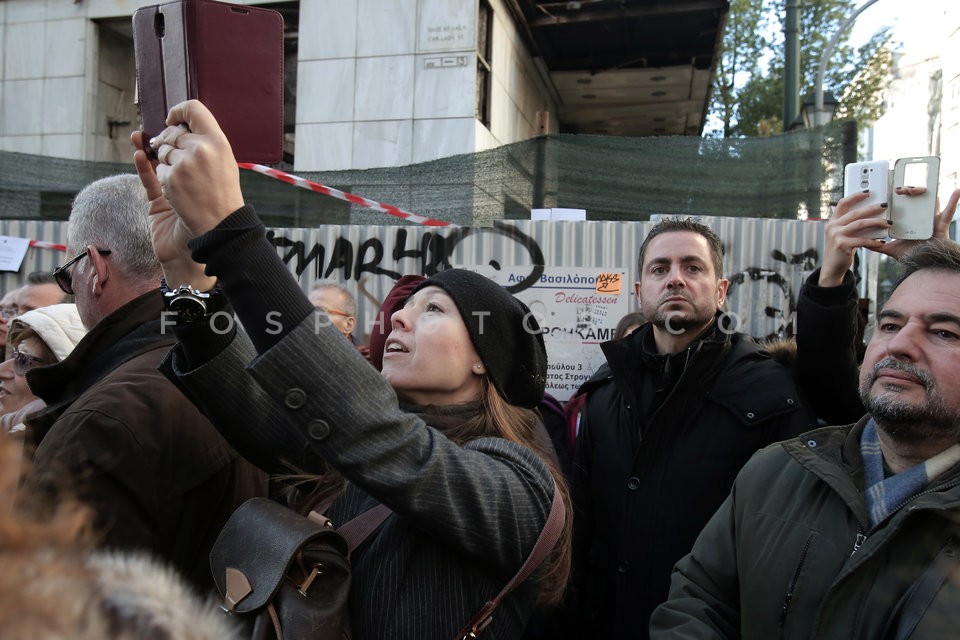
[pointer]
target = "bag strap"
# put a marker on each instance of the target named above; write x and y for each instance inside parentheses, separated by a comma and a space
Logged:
(918, 598)
(354, 531)
(357, 530)
(545, 543)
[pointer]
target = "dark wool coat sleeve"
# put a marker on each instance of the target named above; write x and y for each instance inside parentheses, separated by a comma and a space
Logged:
(827, 364)
(465, 517)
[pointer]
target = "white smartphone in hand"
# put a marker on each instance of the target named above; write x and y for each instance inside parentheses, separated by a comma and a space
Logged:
(913, 215)
(872, 176)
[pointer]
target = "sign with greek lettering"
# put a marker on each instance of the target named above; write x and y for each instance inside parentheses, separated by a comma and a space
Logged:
(578, 309)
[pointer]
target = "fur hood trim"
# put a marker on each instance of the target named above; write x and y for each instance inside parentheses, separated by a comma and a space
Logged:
(152, 601)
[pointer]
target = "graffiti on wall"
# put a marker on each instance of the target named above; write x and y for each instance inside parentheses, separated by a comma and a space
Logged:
(763, 289)
(425, 255)
(768, 261)
(778, 295)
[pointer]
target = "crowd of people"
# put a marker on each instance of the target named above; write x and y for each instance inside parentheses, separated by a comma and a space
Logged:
(708, 485)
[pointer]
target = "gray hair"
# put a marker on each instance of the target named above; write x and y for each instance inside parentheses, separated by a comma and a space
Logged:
(934, 255)
(349, 302)
(111, 213)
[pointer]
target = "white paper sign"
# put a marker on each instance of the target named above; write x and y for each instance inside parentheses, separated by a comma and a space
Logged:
(12, 252)
(578, 308)
(577, 215)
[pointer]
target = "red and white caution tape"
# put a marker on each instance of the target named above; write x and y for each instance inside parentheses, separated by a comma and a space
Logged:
(42, 244)
(303, 183)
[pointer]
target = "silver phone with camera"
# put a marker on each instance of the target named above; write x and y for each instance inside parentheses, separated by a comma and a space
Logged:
(913, 216)
(872, 176)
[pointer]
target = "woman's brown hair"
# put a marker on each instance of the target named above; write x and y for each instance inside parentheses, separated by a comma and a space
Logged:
(520, 425)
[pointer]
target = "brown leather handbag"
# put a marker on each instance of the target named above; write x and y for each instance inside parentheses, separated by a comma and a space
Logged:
(286, 576)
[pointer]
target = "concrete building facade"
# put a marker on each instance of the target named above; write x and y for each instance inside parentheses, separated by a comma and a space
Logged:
(370, 83)
(922, 104)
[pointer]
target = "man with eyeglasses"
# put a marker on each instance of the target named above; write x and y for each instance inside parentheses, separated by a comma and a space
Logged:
(8, 311)
(40, 290)
(339, 305)
(124, 439)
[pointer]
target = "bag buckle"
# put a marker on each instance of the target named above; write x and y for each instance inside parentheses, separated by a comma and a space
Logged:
(480, 622)
(237, 588)
(314, 572)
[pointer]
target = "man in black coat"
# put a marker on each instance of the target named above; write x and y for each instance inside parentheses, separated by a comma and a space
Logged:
(668, 422)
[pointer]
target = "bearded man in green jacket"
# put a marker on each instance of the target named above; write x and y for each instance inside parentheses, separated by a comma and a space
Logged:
(854, 531)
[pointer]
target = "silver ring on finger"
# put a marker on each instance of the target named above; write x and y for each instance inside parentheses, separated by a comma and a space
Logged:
(164, 153)
(175, 136)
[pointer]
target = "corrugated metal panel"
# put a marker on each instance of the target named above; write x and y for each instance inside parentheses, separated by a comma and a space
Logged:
(767, 259)
(37, 259)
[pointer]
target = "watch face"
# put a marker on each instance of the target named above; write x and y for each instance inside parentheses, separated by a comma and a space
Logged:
(187, 308)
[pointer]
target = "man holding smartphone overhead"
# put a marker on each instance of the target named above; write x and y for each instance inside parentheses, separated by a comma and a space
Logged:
(849, 531)
(828, 347)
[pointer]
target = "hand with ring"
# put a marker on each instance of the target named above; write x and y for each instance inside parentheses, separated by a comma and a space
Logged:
(168, 232)
(197, 172)
(164, 144)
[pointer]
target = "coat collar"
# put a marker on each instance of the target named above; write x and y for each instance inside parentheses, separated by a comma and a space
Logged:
(833, 455)
(132, 329)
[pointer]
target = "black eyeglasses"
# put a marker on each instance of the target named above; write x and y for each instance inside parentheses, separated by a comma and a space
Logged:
(23, 362)
(62, 273)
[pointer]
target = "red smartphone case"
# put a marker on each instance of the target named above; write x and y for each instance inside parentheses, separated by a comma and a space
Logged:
(228, 56)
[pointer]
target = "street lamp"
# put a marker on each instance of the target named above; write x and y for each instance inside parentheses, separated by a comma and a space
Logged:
(817, 116)
(819, 101)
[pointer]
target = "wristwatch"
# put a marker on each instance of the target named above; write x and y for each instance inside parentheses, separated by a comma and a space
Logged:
(190, 305)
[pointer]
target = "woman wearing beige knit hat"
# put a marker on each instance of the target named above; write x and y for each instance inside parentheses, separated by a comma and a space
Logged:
(38, 337)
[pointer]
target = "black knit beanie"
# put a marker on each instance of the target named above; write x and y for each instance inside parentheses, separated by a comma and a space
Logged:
(503, 331)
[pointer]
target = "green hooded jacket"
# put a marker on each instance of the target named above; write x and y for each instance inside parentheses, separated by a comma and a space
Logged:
(791, 554)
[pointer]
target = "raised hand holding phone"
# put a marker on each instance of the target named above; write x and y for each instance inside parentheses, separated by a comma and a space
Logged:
(853, 225)
(199, 175)
(228, 55)
(872, 178)
(941, 223)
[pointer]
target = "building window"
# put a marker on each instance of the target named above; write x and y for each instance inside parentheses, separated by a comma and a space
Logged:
(291, 42)
(484, 61)
(116, 113)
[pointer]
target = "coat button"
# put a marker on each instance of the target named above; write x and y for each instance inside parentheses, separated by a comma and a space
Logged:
(295, 398)
(318, 429)
(633, 484)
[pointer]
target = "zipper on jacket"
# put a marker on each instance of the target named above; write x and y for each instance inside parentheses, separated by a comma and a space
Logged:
(793, 581)
(861, 538)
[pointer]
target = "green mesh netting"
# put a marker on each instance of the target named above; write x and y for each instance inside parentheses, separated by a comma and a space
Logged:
(796, 174)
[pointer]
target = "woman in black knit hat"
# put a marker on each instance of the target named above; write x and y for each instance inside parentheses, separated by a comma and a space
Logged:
(445, 437)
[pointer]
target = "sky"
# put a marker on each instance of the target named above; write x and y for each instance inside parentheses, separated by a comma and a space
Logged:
(911, 27)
